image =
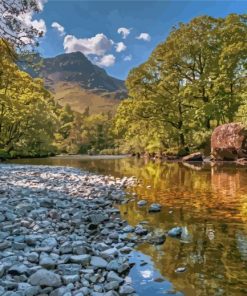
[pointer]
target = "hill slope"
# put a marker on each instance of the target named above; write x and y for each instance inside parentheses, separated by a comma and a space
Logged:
(74, 80)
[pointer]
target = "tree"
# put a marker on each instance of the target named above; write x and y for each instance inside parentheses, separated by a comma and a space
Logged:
(193, 81)
(27, 117)
(14, 28)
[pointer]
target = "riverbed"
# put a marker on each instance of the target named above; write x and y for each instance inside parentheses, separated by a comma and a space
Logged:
(208, 201)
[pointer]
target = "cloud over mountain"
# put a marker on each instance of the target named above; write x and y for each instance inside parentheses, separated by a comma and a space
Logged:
(97, 45)
(105, 61)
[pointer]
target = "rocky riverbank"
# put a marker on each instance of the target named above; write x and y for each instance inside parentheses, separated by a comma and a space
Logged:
(60, 233)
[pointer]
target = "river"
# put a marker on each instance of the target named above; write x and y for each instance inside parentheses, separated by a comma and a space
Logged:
(208, 201)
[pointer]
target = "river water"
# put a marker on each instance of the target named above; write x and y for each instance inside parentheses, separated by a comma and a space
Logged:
(208, 201)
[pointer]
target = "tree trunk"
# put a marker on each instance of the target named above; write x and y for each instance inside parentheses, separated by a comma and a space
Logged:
(181, 139)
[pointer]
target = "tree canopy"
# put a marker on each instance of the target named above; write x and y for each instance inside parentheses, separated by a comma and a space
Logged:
(193, 81)
(15, 25)
(27, 117)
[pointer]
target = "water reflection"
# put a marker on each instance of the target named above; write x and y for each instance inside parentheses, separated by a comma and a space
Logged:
(210, 202)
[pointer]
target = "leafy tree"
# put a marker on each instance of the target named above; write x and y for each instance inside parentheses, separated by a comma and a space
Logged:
(13, 28)
(193, 81)
(27, 118)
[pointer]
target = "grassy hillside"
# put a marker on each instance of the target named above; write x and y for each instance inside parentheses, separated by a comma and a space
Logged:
(79, 99)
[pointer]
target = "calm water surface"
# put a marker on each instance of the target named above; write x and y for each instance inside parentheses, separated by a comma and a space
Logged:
(209, 202)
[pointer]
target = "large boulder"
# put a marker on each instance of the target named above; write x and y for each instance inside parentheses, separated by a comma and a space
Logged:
(229, 142)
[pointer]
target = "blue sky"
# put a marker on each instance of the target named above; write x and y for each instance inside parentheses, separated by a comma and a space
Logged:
(100, 28)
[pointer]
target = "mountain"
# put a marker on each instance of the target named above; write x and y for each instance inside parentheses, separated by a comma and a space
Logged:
(74, 80)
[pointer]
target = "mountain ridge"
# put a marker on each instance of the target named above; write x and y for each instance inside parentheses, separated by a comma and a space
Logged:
(75, 80)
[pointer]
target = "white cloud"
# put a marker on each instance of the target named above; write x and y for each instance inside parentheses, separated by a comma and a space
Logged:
(27, 20)
(144, 36)
(105, 61)
(124, 32)
(127, 58)
(59, 28)
(120, 46)
(97, 45)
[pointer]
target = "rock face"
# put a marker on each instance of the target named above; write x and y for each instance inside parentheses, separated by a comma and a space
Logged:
(229, 142)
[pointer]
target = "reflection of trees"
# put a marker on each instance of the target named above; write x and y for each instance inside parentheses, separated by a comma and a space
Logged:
(209, 203)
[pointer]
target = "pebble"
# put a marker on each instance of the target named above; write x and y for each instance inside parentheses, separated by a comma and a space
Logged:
(154, 208)
(175, 232)
(141, 203)
(180, 269)
(60, 234)
(44, 277)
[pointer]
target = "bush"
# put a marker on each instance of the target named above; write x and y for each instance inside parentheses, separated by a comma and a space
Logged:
(4, 154)
(183, 152)
(111, 151)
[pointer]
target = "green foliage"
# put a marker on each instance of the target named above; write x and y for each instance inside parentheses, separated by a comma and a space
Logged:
(192, 82)
(32, 124)
(4, 154)
(27, 117)
(83, 133)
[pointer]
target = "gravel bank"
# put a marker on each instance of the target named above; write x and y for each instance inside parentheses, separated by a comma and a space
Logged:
(60, 233)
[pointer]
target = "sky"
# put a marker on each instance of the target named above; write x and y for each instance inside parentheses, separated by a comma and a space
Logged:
(118, 35)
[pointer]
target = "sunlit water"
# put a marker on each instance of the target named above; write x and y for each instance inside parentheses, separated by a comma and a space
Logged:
(210, 202)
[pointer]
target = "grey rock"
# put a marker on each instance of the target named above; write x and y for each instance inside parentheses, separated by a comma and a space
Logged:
(119, 265)
(81, 259)
(18, 269)
(60, 291)
(2, 290)
(126, 290)
(98, 262)
(141, 203)
(98, 288)
(4, 245)
(140, 230)
(128, 229)
(114, 236)
(49, 242)
(45, 277)
(2, 270)
(157, 239)
(111, 293)
(28, 290)
(33, 257)
(113, 285)
(154, 208)
(113, 276)
(47, 262)
(175, 232)
(98, 218)
(85, 291)
(126, 250)
(66, 248)
(109, 253)
(46, 203)
(69, 269)
(67, 279)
